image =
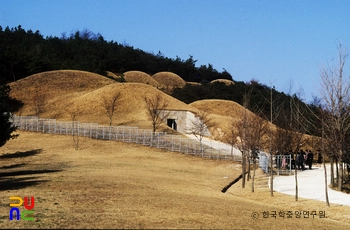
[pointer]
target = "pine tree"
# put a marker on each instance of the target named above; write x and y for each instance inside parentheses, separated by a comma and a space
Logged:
(6, 126)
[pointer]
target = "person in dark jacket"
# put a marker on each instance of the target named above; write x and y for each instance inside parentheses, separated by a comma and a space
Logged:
(310, 158)
(300, 161)
(319, 159)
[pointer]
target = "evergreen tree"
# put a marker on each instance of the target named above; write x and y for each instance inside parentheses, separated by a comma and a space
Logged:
(6, 126)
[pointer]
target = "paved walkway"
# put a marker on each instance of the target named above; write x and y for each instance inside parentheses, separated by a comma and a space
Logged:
(310, 182)
(311, 185)
(223, 147)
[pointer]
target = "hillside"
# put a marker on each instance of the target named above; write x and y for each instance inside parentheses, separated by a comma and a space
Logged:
(136, 186)
(223, 113)
(109, 184)
(60, 94)
(60, 91)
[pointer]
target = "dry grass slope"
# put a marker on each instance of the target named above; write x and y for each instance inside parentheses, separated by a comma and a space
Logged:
(223, 113)
(63, 81)
(113, 75)
(226, 81)
(193, 83)
(220, 107)
(107, 184)
(54, 87)
(66, 90)
(131, 109)
(169, 79)
(140, 77)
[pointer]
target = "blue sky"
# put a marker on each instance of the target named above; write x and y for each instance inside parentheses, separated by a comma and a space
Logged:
(279, 43)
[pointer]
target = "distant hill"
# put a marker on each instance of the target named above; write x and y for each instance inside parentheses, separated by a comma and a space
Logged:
(25, 52)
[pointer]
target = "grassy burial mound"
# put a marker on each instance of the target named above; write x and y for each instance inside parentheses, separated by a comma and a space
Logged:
(223, 113)
(220, 107)
(60, 93)
(226, 81)
(42, 93)
(108, 184)
(54, 89)
(140, 77)
(113, 75)
(193, 83)
(61, 81)
(169, 80)
(131, 108)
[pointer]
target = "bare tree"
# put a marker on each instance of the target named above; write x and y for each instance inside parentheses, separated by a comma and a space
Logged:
(324, 164)
(251, 130)
(200, 127)
(39, 100)
(335, 93)
(275, 110)
(274, 113)
(75, 112)
(297, 124)
(317, 121)
(257, 130)
(231, 136)
(109, 103)
(156, 108)
(242, 126)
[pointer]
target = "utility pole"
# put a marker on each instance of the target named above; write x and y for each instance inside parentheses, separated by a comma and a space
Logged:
(271, 156)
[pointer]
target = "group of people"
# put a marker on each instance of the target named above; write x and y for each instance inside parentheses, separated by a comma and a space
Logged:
(301, 160)
(304, 158)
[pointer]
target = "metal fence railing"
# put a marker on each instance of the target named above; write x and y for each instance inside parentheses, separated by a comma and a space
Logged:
(130, 134)
(282, 164)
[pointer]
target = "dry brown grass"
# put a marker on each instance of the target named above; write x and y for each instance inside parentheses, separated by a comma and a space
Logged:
(56, 87)
(226, 81)
(108, 184)
(169, 80)
(193, 83)
(220, 107)
(113, 75)
(223, 113)
(140, 77)
(65, 90)
(64, 81)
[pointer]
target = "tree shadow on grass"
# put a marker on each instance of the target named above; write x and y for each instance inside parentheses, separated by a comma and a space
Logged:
(21, 154)
(27, 172)
(19, 175)
(18, 183)
(12, 166)
(12, 180)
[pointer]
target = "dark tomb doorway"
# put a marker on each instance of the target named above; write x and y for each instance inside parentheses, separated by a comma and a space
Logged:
(172, 123)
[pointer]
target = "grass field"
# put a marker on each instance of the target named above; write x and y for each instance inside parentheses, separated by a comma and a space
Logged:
(107, 184)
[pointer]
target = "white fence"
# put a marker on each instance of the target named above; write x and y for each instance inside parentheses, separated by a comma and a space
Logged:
(129, 134)
(281, 163)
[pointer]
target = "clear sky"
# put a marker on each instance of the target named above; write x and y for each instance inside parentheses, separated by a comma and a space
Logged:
(277, 42)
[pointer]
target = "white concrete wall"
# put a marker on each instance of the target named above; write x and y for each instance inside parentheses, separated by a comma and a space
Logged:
(183, 120)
